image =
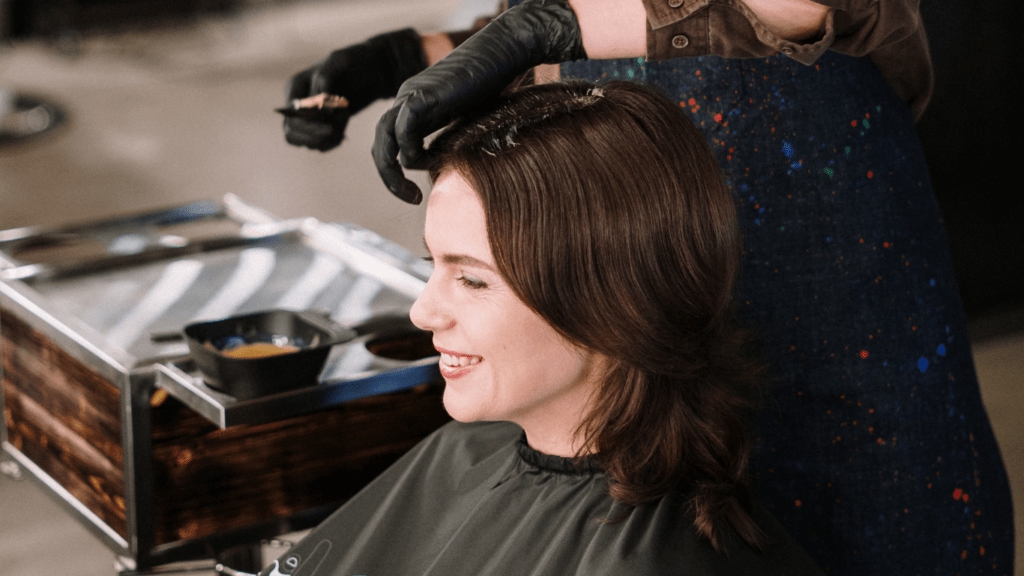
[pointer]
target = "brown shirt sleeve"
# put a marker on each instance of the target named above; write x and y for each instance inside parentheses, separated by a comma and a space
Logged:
(890, 32)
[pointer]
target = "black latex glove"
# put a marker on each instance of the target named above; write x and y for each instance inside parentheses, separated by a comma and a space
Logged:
(534, 32)
(361, 73)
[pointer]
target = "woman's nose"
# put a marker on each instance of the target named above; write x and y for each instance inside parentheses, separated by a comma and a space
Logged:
(428, 311)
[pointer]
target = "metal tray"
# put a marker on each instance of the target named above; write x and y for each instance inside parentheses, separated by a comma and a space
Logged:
(112, 284)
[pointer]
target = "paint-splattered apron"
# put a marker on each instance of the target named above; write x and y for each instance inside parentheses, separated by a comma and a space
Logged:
(877, 454)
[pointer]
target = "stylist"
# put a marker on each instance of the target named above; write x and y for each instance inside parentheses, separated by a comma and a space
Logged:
(540, 32)
(879, 431)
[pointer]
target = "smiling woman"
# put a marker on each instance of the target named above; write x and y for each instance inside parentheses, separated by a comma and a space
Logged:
(635, 268)
(601, 386)
(500, 360)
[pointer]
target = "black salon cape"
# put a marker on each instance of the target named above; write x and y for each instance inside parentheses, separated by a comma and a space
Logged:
(475, 499)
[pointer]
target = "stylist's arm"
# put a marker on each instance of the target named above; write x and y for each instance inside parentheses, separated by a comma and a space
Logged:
(532, 33)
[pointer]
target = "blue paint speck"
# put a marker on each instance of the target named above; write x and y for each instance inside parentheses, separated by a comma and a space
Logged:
(796, 164)
(922, 364)
(941, 350)
(932, 282)
(787, 149)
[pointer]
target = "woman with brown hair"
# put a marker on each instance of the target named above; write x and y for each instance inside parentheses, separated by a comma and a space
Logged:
(601, 386)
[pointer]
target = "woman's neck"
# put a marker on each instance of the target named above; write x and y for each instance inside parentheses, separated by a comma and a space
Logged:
(555, 432)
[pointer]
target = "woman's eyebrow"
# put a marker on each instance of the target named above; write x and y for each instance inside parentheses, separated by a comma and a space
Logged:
(466, 260)
(460, 259)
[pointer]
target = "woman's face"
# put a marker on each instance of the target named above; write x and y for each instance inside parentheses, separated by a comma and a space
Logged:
(500, 360)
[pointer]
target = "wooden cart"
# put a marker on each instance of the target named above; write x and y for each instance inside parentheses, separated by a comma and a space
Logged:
(119, 427)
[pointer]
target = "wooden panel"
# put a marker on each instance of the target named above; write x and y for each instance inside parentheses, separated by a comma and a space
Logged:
(65, 417)
(209, 480)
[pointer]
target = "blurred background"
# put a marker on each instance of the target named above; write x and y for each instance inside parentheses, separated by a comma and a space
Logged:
(115, 106)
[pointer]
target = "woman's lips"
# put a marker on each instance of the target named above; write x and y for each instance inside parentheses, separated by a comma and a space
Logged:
(455, 365)
(454, 361)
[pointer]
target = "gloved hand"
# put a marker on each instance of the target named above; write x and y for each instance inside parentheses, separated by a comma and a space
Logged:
(534, 32)
(361, 73)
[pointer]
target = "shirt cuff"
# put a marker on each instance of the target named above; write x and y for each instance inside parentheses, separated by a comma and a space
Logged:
(727, 28)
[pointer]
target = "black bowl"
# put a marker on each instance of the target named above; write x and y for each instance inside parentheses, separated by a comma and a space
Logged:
(309, 336)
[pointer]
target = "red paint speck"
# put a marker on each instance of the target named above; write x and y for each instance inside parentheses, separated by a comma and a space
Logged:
(957, 494)
(863, 353)
(692, 102)
(886, 244)
(853, 123)
(871, 174)
(966, 497)
(798, 503)
(718, 117)
(981, 550)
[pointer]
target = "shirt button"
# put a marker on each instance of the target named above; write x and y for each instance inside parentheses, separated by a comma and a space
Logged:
(675, 3)
(680, 41)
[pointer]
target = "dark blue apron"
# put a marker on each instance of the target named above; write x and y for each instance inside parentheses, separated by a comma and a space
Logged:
(876, 453)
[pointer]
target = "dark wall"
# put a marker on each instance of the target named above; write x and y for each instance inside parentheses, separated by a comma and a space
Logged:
(971, 135)
(57, 18)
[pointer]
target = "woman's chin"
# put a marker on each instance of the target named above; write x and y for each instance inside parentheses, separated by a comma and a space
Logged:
(463, 409)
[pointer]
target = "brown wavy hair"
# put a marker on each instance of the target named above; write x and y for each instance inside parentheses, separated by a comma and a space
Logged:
(608, 216)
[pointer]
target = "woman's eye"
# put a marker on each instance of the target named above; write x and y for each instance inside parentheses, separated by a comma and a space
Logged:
(471, 282)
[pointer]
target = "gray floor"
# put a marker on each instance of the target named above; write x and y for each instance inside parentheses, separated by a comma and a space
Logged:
(163, 117)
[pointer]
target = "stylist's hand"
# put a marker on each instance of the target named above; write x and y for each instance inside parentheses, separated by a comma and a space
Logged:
(535, 32)
(361, 73)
